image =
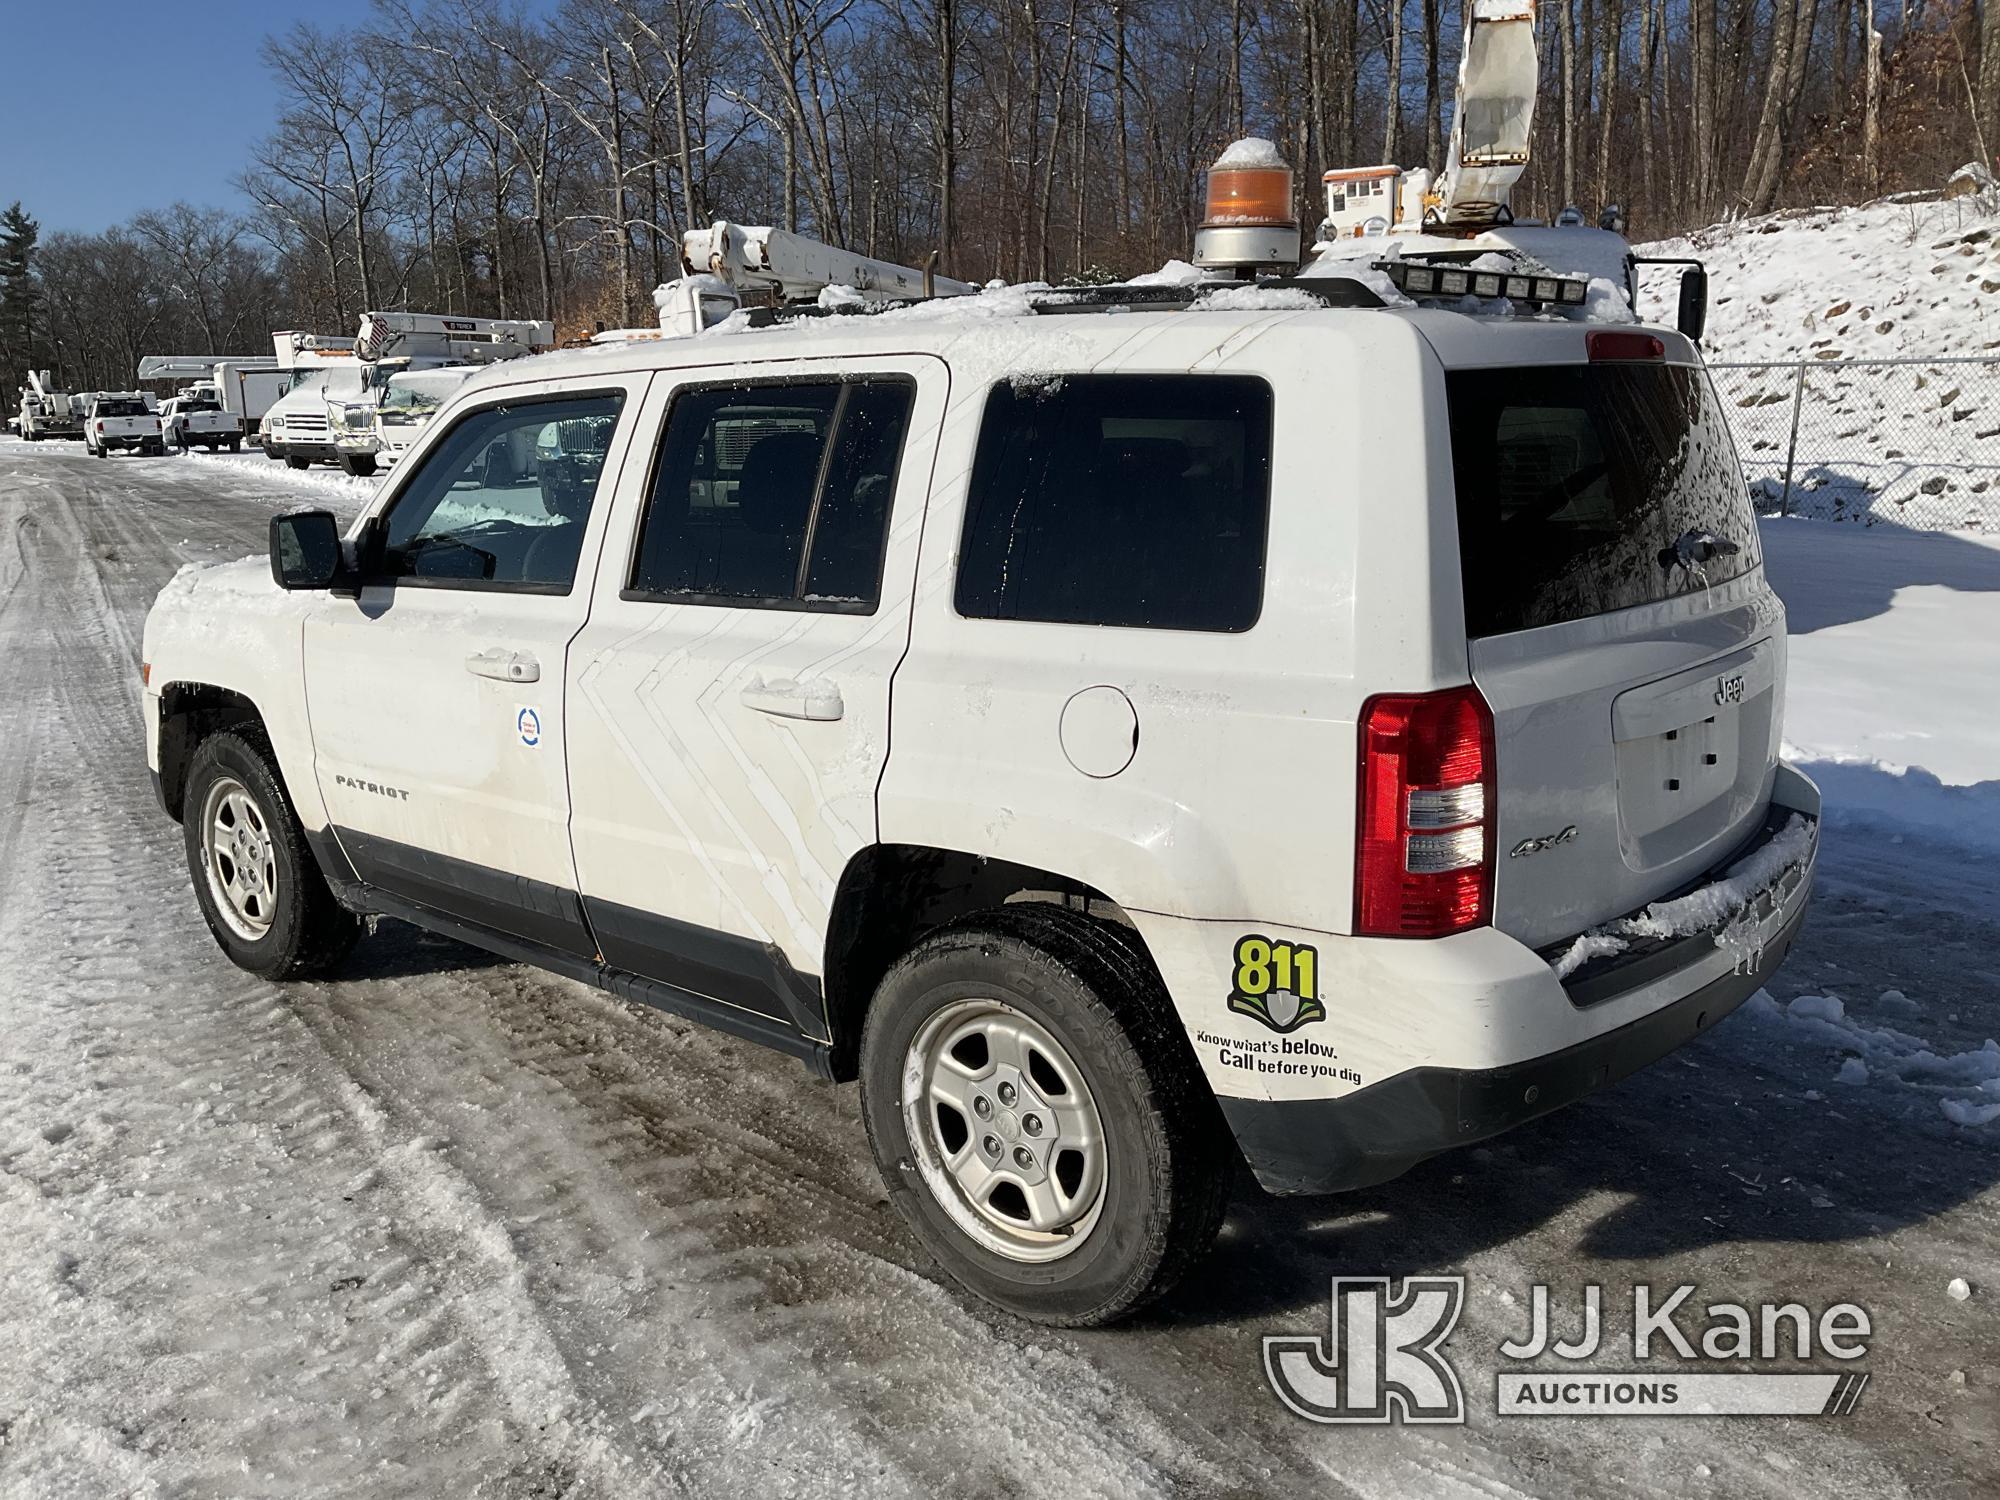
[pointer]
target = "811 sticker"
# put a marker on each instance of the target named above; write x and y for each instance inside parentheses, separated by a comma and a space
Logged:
(1276, 983)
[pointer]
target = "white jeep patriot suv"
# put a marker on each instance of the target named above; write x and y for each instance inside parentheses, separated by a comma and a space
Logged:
(1126, 737)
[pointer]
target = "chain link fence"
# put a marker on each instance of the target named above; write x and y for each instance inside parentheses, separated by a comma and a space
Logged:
(1910, 442)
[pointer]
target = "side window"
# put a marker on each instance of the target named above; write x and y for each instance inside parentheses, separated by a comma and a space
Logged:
(1138, 500)
(504, 499)
(775, 494)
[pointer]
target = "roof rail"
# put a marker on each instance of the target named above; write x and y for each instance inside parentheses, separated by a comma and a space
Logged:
(1330, 291)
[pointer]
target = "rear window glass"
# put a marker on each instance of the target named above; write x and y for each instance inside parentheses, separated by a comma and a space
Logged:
(121, 409)
(1137, 500)
(1584, 489)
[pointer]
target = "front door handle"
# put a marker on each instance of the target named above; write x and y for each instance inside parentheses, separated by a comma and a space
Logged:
(503, 665)
(787, 698)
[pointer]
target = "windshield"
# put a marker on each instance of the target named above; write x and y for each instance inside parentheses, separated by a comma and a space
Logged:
(1584, 489)
(405, 398)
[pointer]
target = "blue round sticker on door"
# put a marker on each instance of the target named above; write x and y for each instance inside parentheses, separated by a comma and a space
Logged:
(529, 725)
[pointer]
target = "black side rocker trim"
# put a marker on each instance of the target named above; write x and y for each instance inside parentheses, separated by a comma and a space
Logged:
(1298, 1146)
(771, 1031)
(547, 915)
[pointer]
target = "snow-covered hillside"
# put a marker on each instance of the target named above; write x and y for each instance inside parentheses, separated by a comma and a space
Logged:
(1918, 443)
(1882, 281)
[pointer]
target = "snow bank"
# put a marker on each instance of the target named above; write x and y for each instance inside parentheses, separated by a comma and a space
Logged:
(1883, 280)
(1895, 646)
(1966, 1084)
(1909, 443)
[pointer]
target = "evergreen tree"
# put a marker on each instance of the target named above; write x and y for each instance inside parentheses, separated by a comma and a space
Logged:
(18, 234)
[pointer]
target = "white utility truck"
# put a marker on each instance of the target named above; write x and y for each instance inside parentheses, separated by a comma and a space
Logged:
(379, 432)
(1311, 721)
(397, 345)
(45, 411)
(306, 425)
(122, 419)
(297, 426)
(242, 386)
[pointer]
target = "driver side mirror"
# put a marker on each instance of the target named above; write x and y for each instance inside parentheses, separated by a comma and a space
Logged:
(1692, 316)
(305, 549)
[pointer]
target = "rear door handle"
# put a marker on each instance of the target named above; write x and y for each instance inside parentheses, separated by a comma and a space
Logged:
(503, 665)
(788, 698)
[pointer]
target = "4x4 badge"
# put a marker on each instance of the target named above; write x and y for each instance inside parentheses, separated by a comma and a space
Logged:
(1276, 983)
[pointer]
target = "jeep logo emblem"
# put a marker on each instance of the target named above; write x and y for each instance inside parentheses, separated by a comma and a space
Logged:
(1546, 841)
(1729, 689)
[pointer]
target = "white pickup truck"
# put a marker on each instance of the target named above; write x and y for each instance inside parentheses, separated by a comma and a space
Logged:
(198, 421)
(122, 419)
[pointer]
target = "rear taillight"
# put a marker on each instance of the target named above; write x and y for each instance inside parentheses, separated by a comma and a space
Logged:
(1423, 863)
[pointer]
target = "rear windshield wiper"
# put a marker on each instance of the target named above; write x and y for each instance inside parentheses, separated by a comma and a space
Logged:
(1692, 549)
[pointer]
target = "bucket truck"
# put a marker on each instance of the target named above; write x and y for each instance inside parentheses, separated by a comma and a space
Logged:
(388, 345)
(1454, 234)
(727, 263)
(45, 411)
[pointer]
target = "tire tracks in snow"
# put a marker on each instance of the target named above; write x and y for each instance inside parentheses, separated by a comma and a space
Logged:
(672, 1254)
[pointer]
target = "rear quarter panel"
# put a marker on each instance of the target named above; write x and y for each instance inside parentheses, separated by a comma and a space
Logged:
(1238, 802)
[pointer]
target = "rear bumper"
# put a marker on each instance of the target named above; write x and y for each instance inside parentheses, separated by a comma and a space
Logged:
(1380, 1132)
(1358, 1139)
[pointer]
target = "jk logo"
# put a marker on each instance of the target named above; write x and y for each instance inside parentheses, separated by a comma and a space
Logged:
(1382, 1360)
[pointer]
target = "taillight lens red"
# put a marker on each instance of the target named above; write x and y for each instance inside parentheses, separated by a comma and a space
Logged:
(1423, 863)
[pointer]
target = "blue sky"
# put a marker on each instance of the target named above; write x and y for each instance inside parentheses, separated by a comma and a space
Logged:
(111, 106)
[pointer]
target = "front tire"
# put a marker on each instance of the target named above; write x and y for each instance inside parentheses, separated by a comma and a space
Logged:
(259, 889)
(1038, 1117)
(293, 461)
(359, 465)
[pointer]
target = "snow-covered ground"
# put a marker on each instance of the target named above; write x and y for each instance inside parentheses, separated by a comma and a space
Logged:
(1895, 700)
(452, 1226)
(1880, 281)
(1915, 442)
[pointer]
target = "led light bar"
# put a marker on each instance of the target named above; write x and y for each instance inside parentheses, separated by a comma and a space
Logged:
(1416, 278)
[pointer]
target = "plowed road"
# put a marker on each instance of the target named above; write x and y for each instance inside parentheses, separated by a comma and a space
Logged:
(450, 1226)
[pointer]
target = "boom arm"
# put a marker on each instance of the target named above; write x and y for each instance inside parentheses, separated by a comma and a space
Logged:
(438, 336)
(1494, 114)
(755, 258)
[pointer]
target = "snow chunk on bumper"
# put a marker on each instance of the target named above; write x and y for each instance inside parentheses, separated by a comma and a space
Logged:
(1708, 908)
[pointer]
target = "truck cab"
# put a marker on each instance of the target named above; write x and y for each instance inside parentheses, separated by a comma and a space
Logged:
(377, 433)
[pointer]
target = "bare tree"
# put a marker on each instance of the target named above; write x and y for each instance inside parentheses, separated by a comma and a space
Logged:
(343, 100)
(199, 246)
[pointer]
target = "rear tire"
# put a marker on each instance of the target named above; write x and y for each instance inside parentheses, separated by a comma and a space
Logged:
(236, 445)
(259, 888)
(1051, 1028)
